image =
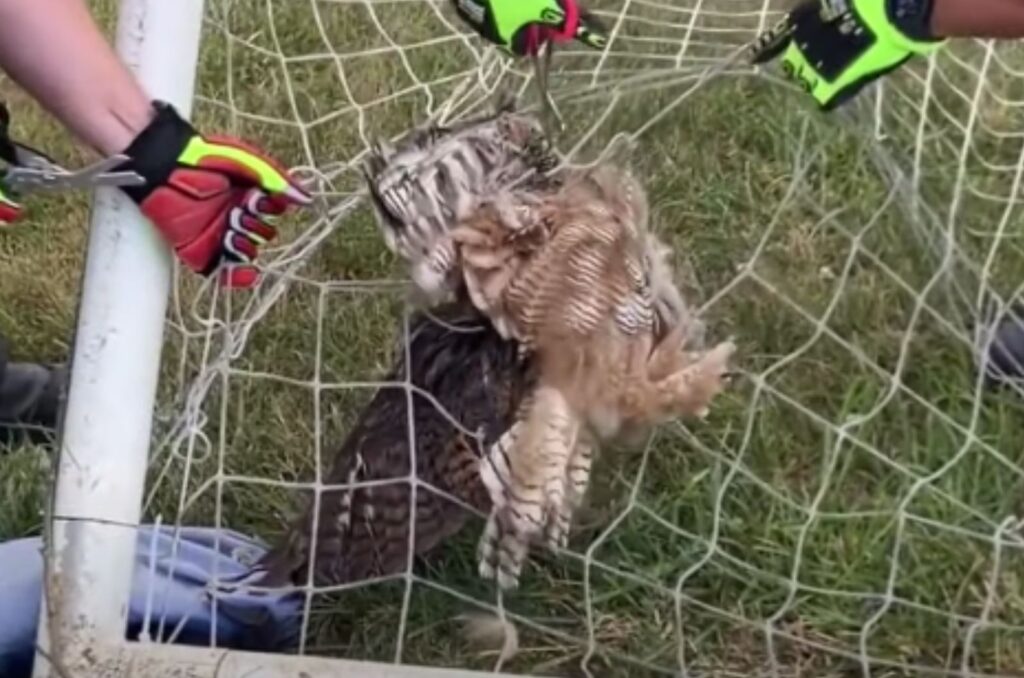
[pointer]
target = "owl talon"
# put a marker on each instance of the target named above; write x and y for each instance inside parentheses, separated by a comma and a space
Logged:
(512, 552)
(487, 556)
(508, 581)
(691, 389)
(557, 533)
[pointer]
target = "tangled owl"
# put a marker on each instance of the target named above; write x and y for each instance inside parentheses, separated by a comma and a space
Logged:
(563, 264)
(469, 382)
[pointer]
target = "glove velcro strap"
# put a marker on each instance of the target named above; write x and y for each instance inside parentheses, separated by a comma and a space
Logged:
(874, 14)
(154, 152)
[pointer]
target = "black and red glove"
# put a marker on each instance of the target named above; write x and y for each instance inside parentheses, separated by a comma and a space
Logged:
(214, 199)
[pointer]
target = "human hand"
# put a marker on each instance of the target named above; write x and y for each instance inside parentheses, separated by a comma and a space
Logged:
(836, 48)
(522, 27)
(214, 199)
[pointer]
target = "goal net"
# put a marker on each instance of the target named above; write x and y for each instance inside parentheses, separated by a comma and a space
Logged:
(849, 507)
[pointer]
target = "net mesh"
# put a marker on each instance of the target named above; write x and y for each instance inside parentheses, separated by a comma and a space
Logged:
(850, 506)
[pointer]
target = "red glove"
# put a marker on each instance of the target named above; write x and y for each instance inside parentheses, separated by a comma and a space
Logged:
(9, 210)
(214, 199)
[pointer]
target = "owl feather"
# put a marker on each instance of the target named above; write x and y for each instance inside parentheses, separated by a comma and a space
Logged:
(468, 382)
(580, 294)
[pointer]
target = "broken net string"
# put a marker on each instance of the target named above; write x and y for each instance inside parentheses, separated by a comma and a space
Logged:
(299, 281)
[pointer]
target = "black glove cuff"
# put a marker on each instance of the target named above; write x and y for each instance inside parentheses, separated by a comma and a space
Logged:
(912, 17)
(154, 153)
(7, 151)
(479, 17)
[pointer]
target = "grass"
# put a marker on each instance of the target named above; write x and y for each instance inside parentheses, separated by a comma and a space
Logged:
(845, 493)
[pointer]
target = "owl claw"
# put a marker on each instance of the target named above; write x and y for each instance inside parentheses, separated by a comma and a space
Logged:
(504, 545)
(512, 554)
(487, 552)
(691, 389)
(557, 532)
(507, 582)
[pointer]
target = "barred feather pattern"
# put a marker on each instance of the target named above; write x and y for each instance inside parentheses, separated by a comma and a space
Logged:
(470, 385)
(437, 176)
(525, 477)
(572, 273)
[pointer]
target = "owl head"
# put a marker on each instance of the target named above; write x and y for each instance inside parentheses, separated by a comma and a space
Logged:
(424, 184)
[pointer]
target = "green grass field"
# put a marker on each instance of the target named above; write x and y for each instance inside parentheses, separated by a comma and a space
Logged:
(842, 505)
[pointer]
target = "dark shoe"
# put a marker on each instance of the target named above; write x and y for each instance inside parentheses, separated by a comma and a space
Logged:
(1003, 361)
(31, 397)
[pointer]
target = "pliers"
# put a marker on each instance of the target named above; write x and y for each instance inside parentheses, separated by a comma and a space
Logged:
(30, 171)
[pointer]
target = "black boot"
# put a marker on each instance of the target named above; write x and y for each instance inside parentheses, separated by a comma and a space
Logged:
(31, 397)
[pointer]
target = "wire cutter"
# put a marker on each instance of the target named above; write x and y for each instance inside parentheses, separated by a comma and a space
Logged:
(31, 171)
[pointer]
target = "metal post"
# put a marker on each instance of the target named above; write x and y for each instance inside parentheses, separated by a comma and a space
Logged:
(115, 364)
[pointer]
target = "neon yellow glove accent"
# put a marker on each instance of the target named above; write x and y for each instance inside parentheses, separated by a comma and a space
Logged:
(233, 157)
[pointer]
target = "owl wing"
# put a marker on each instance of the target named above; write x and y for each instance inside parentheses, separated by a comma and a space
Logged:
(589, 271)
(478, 378)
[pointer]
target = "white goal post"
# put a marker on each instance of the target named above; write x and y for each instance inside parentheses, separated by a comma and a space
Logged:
(105, 436)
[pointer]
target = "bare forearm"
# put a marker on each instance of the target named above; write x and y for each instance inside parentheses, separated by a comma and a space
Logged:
(978, 18)
(54, 50)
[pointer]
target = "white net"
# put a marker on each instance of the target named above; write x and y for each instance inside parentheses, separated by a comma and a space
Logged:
(850, 505)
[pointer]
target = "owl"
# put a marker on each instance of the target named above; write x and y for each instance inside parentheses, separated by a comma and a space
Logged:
(468, 382)
(572, 273)
(562, 262)
(436, 176)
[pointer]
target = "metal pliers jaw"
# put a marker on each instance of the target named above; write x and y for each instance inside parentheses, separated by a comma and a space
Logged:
(30, 171)
(34, 172)
(772, 42)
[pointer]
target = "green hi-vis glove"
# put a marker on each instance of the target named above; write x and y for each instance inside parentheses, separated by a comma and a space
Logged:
(522, 27)
(836, 48)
